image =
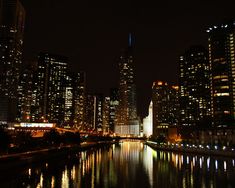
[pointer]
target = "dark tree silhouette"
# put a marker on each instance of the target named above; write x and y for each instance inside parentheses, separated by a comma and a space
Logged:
(71, 138)
(52, 137)
(5, 140)
(24, 140)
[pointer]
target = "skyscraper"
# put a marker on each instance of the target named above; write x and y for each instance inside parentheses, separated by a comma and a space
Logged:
(79, 99)
(25, 94)
(99, 112)
(194, 84)
(90, 116)
(148, 122)
(106, 115)
(114, 102)
(221, 39)
(69, 96)
(165, 107)
(94, 112)
(51, 84)
(12, 19)
(127, 122)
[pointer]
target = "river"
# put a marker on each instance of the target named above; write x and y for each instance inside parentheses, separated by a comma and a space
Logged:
(125, 165)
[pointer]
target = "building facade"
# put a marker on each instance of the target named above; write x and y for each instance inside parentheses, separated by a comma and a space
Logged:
(25, 94)
(194, 81)
(51, 88)
(127, 121)
(99, 112)
(114, 102)
(69, 96)
(106, 115)
(148, 122)
(94, 112)
(221, 39)
(79, 99)
(90, 119)
(165, 107)
(12, 20)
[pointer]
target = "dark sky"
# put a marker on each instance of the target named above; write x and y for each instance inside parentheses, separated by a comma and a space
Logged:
(92, 35)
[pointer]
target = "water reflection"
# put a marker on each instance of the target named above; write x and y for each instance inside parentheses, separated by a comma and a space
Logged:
(128, 164)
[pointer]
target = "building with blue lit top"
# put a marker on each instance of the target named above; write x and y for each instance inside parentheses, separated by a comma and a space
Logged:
(126, 115)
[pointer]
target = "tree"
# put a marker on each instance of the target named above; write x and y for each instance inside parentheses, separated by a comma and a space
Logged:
(52, 137)
(24, 140)
(5, 140)
(71, 138)
(161, 139)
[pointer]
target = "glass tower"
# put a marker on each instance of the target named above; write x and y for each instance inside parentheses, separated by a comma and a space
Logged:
(127, 122)
(195, 105)
(165, 107)
(51, 87)
(12, 18)
(221, 41)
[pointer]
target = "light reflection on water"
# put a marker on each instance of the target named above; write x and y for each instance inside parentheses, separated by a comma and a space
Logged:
(128, 164)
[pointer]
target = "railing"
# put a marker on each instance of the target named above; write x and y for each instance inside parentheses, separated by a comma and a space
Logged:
(193, 148)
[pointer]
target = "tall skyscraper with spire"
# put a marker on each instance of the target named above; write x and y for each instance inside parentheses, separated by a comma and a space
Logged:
(126, 116)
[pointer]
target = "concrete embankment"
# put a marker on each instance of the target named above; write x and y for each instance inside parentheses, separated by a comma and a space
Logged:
(26, 158)
(194, 151)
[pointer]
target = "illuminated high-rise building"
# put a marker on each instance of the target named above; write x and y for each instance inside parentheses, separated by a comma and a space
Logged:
(114, 101)
(165, 107)
(106, 115)
(221, 39)
(51, 87)
(148, 122)
(75, 99)
(90, 118)
(12, 19)
(94, 112)
(79, 99)
(194, 81)
(35, 117)
(127, 122)
(69, 110)
(99, 112)
(25, 94)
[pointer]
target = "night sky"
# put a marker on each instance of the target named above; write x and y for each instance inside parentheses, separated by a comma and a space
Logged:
(93, 34)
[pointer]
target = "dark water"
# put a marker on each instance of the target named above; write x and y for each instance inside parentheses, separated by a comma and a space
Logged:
(128, 164)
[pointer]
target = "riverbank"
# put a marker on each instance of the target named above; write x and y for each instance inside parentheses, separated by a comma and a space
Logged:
(196, 151)
(23, 159)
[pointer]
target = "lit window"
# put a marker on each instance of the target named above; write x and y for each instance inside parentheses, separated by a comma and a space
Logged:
(221, 94)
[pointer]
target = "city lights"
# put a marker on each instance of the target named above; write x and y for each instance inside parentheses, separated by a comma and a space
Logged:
(117, 94)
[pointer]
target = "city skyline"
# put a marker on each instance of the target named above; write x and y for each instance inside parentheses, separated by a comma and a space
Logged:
(92, 36)
(70, 82)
